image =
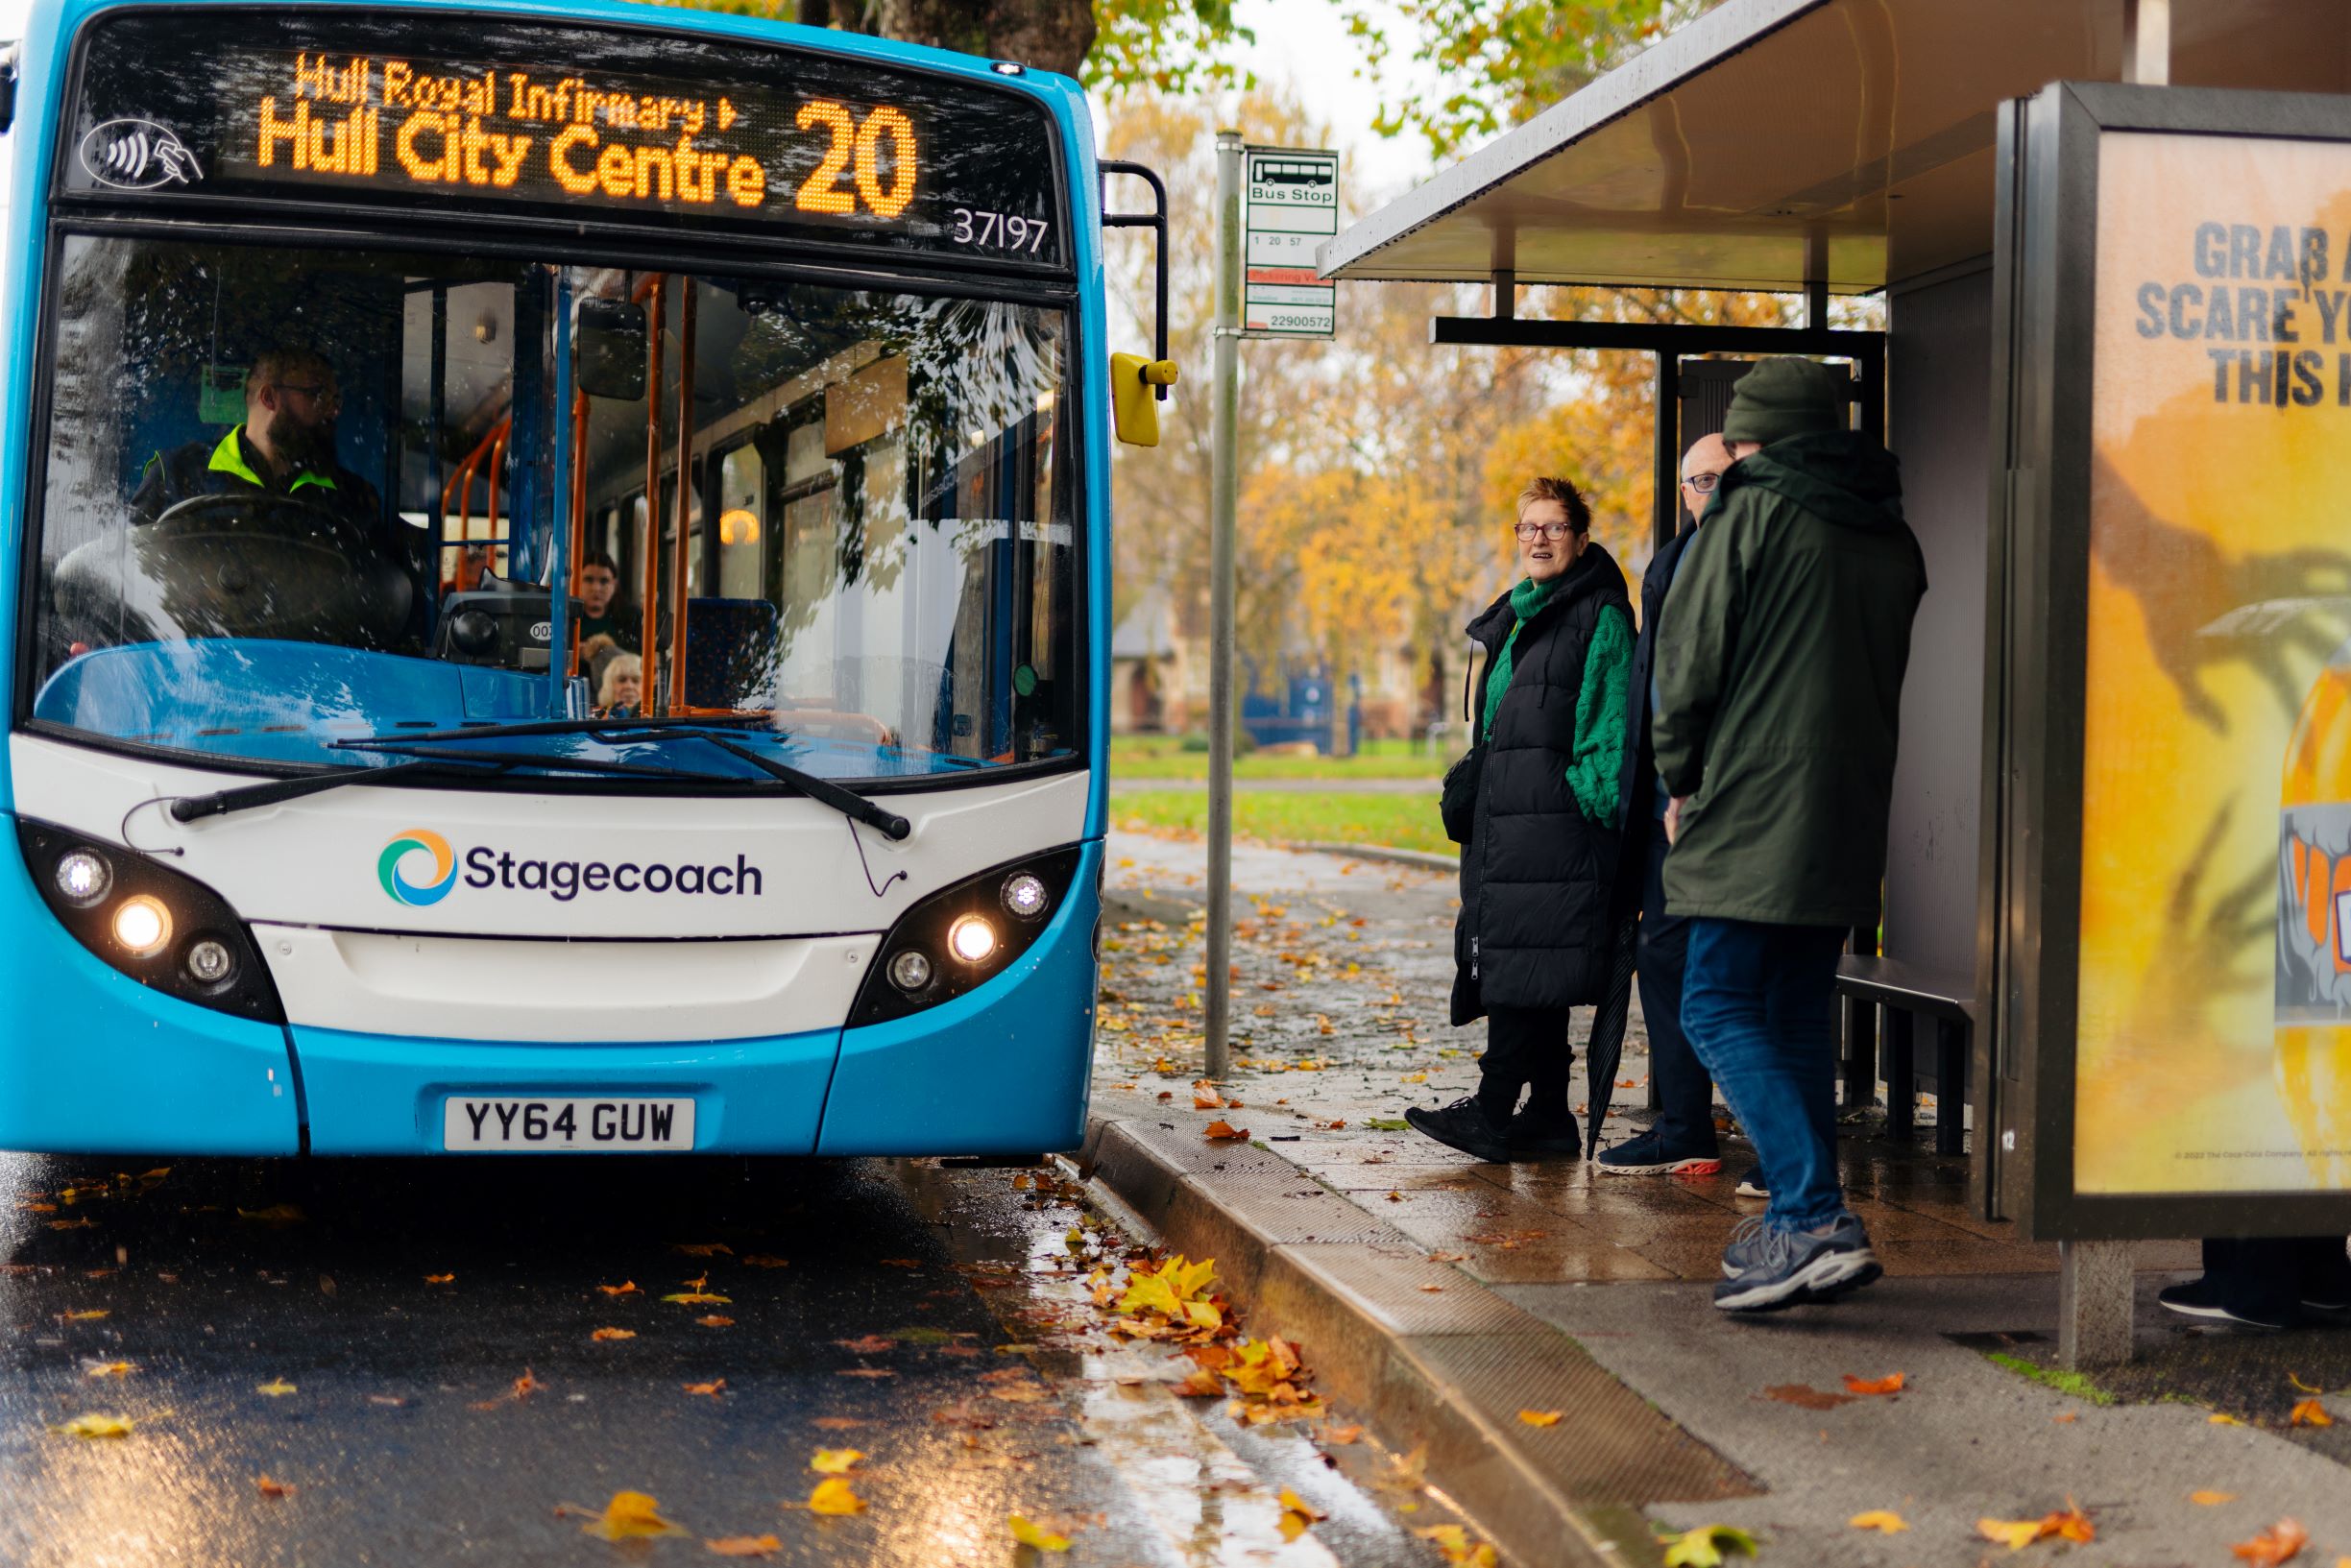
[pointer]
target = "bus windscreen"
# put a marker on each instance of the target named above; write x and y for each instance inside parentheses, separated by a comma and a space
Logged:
(471, 114)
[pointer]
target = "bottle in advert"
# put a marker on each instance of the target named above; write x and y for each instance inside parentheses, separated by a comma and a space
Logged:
(2314, 925)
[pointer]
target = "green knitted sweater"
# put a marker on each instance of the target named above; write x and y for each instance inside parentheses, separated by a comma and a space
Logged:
(1596, 770)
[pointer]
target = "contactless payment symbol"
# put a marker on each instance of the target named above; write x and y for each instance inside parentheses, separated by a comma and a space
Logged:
(415, 842)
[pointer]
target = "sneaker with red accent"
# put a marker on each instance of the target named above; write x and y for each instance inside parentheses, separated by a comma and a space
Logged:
(1646, 1155)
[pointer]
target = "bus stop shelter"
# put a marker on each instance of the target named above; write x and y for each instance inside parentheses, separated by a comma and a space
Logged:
(1849, 147)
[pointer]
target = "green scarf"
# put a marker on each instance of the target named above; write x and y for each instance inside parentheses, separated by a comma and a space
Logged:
(1526, 602)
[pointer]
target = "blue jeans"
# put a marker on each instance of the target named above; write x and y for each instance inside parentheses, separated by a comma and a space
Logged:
(1758, 1003)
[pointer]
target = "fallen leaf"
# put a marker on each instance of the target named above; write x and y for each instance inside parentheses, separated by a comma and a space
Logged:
(1201, 1384)
(95, 1426)
(1221, 1129)
(1890, 1384)
(1292, 1502)
(2066, 1419)
(1416, 1078)
(2218, 1420)
(1343, 1435)
(2279, 1543)
(1707, 1546)
(864, 1372)
(835, 1461)
(90, 1314)
(107, 1370)
(274, 1387)
(900, 1262)
(272, 1488)
(624, 1288)
(1805, 1395)
(84, 1223)
(834, 1495)
(2071, 1525)
(614, 1334)
(702, 1249)
(2211, 1500)
(1541, 1418)
(766, 1260)
(1456, 1546)
(1043, 1540)
(869, 1345)
(744, 1546)
(526, 1386)
(395, 1401)
(628, 1517)
(714, 1321)
(2309, 1412)
(1883, 1520)
(439, 1279)
(1204, 1096)
(711, 1388)
(276, 1214)
(699, 1298)
(2016, 1535)
(2304, 1387)
(1432, 1288)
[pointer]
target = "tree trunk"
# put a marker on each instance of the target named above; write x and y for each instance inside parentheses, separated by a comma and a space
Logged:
(1051, 34)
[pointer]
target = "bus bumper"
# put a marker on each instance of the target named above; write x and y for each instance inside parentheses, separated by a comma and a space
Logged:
(1003, 1070)
(93, 1062)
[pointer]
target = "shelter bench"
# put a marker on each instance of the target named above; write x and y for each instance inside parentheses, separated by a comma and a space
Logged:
(1906, 992)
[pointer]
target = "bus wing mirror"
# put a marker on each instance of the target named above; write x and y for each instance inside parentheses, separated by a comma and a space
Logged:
(608, 349)
(1135, 385)
(1156, 221)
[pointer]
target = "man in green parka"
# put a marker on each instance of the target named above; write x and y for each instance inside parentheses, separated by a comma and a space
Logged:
(1779, 662)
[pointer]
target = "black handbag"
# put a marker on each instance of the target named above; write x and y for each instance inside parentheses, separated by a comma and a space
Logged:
(1458, 802)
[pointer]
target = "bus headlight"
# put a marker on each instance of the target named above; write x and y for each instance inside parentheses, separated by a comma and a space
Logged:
(143, 919)
(959, 939)
(142, 925)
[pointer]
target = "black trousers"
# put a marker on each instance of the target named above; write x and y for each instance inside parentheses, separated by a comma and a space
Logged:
(1685, 1094)
(2268, 1278)
(1526, 1047)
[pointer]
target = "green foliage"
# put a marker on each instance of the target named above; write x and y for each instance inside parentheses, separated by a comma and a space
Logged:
(1164, 46)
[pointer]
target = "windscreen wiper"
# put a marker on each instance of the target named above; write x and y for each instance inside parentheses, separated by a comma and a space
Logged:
(824, 791)
(222, 802)
(561, 725)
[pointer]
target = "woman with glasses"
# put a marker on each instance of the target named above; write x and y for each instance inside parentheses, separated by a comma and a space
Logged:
(1533, 807)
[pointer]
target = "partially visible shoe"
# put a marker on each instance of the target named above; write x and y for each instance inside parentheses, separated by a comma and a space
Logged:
(1645, 1154)
(1786, 1268)
(1464, 1126)
(2198, 1300)
(1745, 1250)
(1752, 1184)
(1534, 1136)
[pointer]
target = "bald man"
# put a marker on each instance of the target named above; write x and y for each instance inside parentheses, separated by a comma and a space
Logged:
(1682, 1139)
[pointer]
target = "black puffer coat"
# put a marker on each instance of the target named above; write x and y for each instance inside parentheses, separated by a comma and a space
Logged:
(1536, 873)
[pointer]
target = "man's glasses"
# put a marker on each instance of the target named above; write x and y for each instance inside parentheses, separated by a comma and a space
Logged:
(1704, 483)
(1548, 530)
(317, 392)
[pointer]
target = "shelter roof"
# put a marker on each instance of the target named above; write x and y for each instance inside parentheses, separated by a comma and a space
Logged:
(1771, 143)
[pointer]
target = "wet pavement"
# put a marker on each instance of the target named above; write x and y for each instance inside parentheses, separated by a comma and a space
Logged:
(1341, 967)
(437, 1356)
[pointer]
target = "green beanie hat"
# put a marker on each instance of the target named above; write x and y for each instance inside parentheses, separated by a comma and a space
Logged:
(1784, 398)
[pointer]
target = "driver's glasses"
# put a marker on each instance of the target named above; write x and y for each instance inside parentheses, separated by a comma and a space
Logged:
(1548, 530)
(324, 398)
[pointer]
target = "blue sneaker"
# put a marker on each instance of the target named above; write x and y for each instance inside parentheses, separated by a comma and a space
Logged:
(1783, 1269)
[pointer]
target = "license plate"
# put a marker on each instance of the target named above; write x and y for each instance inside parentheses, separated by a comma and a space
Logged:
(566, 1125)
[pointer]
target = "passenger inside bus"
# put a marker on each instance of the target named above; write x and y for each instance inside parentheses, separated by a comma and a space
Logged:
(605, 622)
(621, 691)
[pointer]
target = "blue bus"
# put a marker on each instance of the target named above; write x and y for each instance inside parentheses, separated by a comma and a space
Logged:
(561, 586)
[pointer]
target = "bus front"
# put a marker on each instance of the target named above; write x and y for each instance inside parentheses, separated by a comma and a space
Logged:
(559, 587)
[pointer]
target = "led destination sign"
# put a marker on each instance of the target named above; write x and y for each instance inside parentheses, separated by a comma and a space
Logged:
(564, 119)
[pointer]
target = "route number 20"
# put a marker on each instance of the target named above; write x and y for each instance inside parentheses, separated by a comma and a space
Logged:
(821, 192)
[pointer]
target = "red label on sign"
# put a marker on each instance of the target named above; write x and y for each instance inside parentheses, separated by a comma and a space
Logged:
(1283, 275)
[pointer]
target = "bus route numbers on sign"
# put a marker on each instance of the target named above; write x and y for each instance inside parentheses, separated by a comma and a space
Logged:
(1291, 208)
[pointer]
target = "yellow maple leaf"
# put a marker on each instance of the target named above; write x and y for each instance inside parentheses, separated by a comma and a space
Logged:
(1883, 1520)
(1292, 1502)
(1541, 1418)
(835, 1461)
(95, 1426)
(1706, 1546)
(834, 1495)
(2016, 1535)
(744, 1546)
(630, 1516)
(274, 1387)
(2219, 1420)
(2309, 1412)
(1036, 1535)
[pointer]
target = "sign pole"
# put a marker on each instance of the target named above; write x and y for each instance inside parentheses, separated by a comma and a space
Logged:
(1225, 485)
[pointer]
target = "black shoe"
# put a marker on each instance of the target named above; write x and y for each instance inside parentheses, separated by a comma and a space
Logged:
(2198, 1300)
(1464, 1126)
(1534, 1136)
(1785, 1268)
(1645, 1154)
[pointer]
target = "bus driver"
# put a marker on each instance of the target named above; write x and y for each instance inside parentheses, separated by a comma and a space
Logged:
(286, 447)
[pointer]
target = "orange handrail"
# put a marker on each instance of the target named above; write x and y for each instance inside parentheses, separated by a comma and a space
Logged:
(461, 482)
(653, 290)
(579, 509)
(675, 696)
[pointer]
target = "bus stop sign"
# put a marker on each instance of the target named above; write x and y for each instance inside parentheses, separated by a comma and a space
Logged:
(1290, 208)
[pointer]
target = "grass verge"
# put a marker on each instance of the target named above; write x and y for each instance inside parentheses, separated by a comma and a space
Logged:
(1164, 756)
(1396, 821)
(2074, 1385)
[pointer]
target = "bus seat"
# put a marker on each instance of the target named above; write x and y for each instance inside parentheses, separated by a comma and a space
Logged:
(730, 645)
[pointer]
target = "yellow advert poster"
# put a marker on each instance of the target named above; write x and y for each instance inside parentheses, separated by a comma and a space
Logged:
(2214, 1042)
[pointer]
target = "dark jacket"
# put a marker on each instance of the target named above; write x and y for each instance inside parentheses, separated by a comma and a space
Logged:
(231, 466)
(1536, 873)
(1780, 667)
(1636, 792)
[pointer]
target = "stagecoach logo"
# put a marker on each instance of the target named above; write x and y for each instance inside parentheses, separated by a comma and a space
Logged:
(139, 155)
(443, 877)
